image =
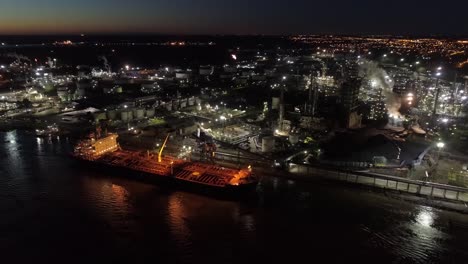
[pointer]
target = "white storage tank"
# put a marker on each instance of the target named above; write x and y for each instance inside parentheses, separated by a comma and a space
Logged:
(139, 113)
(268, 144)
(175, 105)
(130, 115)
(169, 106)
(150, 113)
(191, 101)
(293, 138)
(182, 75)
(112, 115)
(124, 116)
(206, 70)
(183, 104)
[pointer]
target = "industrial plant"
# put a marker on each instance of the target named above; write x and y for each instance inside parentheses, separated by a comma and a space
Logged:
(381, 106)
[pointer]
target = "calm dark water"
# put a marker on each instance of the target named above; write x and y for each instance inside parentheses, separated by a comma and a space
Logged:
(55, 211)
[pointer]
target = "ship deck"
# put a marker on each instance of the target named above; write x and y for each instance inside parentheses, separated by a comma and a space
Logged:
(140, 162)
(195, 172)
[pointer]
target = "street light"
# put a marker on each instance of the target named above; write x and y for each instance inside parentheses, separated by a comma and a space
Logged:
(223, 118)
(440, 145)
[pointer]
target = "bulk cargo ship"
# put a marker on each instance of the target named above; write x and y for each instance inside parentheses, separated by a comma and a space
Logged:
(106, 151)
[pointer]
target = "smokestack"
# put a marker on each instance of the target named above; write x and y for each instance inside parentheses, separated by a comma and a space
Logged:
(281, 109)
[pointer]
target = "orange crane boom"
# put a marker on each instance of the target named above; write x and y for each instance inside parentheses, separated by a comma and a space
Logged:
(162, 148)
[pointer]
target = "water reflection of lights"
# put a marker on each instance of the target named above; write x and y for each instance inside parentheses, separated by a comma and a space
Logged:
(425, 218)
(248, 222)
(177, 220)
(40, 143)
(11, 137)
(119, 195)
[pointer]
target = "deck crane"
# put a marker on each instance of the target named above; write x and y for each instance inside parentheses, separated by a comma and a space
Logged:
(162, 148)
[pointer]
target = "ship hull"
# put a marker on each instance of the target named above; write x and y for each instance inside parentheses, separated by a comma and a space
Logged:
(228, 191)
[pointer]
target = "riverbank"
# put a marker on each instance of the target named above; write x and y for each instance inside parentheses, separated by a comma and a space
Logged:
(424, 193)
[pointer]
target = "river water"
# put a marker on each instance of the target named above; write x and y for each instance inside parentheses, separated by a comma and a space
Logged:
(53, 210)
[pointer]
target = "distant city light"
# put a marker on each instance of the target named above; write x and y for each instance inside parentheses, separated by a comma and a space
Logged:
(234, 56)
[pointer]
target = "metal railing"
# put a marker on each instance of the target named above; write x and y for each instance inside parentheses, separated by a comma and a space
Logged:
(421, 188)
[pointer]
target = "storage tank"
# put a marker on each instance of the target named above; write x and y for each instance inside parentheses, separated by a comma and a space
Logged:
(112, 115)
(275, 103)
(169, 106)
(191, 101)
(182, 75)
(175, 105)
(268, 144)
(139, 113)
(197, 101)
(150, 113)
(130, 115)
(183, 104)
(124, 116)
(206, 70)
(293, 138)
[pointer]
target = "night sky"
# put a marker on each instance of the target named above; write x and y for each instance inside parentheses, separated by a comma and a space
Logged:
(234, 16)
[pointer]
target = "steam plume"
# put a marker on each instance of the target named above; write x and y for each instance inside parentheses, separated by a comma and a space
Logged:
(380, 79)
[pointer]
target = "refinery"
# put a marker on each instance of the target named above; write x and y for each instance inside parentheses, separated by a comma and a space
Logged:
(384, 106)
